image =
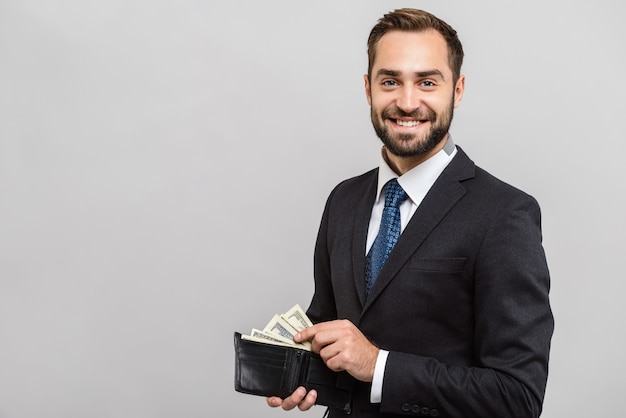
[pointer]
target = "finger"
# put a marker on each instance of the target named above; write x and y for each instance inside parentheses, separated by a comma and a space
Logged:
(307, 333)
(336, 364)
(294, 399)
(308, 401)
(274, 401)
(333, 357)
(322, 329)
(335, 336)
(334, 330)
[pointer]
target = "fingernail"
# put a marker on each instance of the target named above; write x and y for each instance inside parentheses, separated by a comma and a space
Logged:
(297, 336)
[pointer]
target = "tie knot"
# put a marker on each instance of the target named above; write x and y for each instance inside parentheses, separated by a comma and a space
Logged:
(394, 194)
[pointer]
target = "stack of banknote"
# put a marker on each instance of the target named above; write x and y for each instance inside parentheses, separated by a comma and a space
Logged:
(281, 329)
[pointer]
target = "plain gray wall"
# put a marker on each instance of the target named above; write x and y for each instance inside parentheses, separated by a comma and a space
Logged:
(164, 166)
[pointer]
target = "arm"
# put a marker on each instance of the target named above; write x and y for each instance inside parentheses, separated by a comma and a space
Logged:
(513, 325)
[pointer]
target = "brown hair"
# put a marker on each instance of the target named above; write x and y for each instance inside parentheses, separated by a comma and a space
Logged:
(414, 20)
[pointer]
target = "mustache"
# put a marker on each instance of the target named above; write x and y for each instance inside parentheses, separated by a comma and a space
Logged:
(397, 113)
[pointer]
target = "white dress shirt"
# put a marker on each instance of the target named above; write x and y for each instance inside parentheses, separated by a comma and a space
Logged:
(416, 183)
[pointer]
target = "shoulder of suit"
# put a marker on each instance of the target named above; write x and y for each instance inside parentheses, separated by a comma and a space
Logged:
(364, 179)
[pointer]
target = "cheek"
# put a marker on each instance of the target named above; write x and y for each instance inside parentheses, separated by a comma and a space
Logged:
(439, 105)
(380, 106)
(382, 100)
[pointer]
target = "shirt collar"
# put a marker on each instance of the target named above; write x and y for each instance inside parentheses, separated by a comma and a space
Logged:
(417, 181)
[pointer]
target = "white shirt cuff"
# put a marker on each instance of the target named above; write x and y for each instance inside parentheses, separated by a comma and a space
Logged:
(376, 395)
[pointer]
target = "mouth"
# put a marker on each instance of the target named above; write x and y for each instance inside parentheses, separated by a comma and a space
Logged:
(408, 123)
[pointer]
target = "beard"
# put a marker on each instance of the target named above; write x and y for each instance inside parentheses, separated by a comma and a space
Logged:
(408, 145)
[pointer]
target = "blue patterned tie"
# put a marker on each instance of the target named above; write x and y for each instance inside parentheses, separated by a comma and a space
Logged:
(387, 234)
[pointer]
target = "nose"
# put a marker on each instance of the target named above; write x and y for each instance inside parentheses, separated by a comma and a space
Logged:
(409, 99)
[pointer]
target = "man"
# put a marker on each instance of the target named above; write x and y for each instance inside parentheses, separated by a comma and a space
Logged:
(457, 321)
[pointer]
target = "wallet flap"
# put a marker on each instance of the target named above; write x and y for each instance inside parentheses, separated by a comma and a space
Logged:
(325, 382)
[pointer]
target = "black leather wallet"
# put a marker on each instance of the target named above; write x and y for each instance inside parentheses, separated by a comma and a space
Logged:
(272, 370)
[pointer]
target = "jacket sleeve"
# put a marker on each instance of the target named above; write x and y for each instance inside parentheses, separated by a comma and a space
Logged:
(322, 307)
(513, 327)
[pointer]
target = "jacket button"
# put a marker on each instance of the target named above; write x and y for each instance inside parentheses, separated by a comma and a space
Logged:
(415, 409)
(434, 413)
(424, 411)
(406, 407)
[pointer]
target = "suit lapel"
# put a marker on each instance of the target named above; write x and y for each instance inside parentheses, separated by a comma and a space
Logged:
(359, 239)
(442, 197)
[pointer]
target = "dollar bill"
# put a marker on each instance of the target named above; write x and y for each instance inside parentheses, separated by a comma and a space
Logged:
(297, 318)
(261, 337)
(281, 329)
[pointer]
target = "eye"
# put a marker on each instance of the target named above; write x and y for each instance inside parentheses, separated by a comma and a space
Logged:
(389, 83)
(428, 84)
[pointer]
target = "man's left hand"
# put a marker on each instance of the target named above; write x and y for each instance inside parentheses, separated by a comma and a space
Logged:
(342, 346)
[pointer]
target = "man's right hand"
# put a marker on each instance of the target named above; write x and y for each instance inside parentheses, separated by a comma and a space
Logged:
(304, 401)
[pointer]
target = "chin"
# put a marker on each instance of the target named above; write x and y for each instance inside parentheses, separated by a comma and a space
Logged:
(407, 148)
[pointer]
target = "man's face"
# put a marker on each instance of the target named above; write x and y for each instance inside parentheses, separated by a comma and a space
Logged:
(411, 92)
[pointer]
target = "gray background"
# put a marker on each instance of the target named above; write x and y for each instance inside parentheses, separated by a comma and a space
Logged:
(164, 165)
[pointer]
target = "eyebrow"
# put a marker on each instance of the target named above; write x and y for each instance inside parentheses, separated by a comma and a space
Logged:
(418, 74)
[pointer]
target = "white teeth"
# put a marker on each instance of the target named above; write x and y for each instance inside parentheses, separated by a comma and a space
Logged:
(407, 122)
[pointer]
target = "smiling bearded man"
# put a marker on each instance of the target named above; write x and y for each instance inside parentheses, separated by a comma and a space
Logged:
(431, 284)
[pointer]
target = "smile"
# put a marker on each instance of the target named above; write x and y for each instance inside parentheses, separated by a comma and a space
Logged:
(408, 123)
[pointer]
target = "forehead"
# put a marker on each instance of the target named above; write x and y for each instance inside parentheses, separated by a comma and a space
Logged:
(412, 51)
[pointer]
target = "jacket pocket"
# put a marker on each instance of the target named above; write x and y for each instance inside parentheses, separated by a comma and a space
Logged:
(438, 265)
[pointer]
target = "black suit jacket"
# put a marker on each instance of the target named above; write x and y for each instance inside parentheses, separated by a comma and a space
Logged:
(461, 303)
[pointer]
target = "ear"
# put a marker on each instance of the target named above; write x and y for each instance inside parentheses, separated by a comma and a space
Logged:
(368, 89)
(459, 89)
